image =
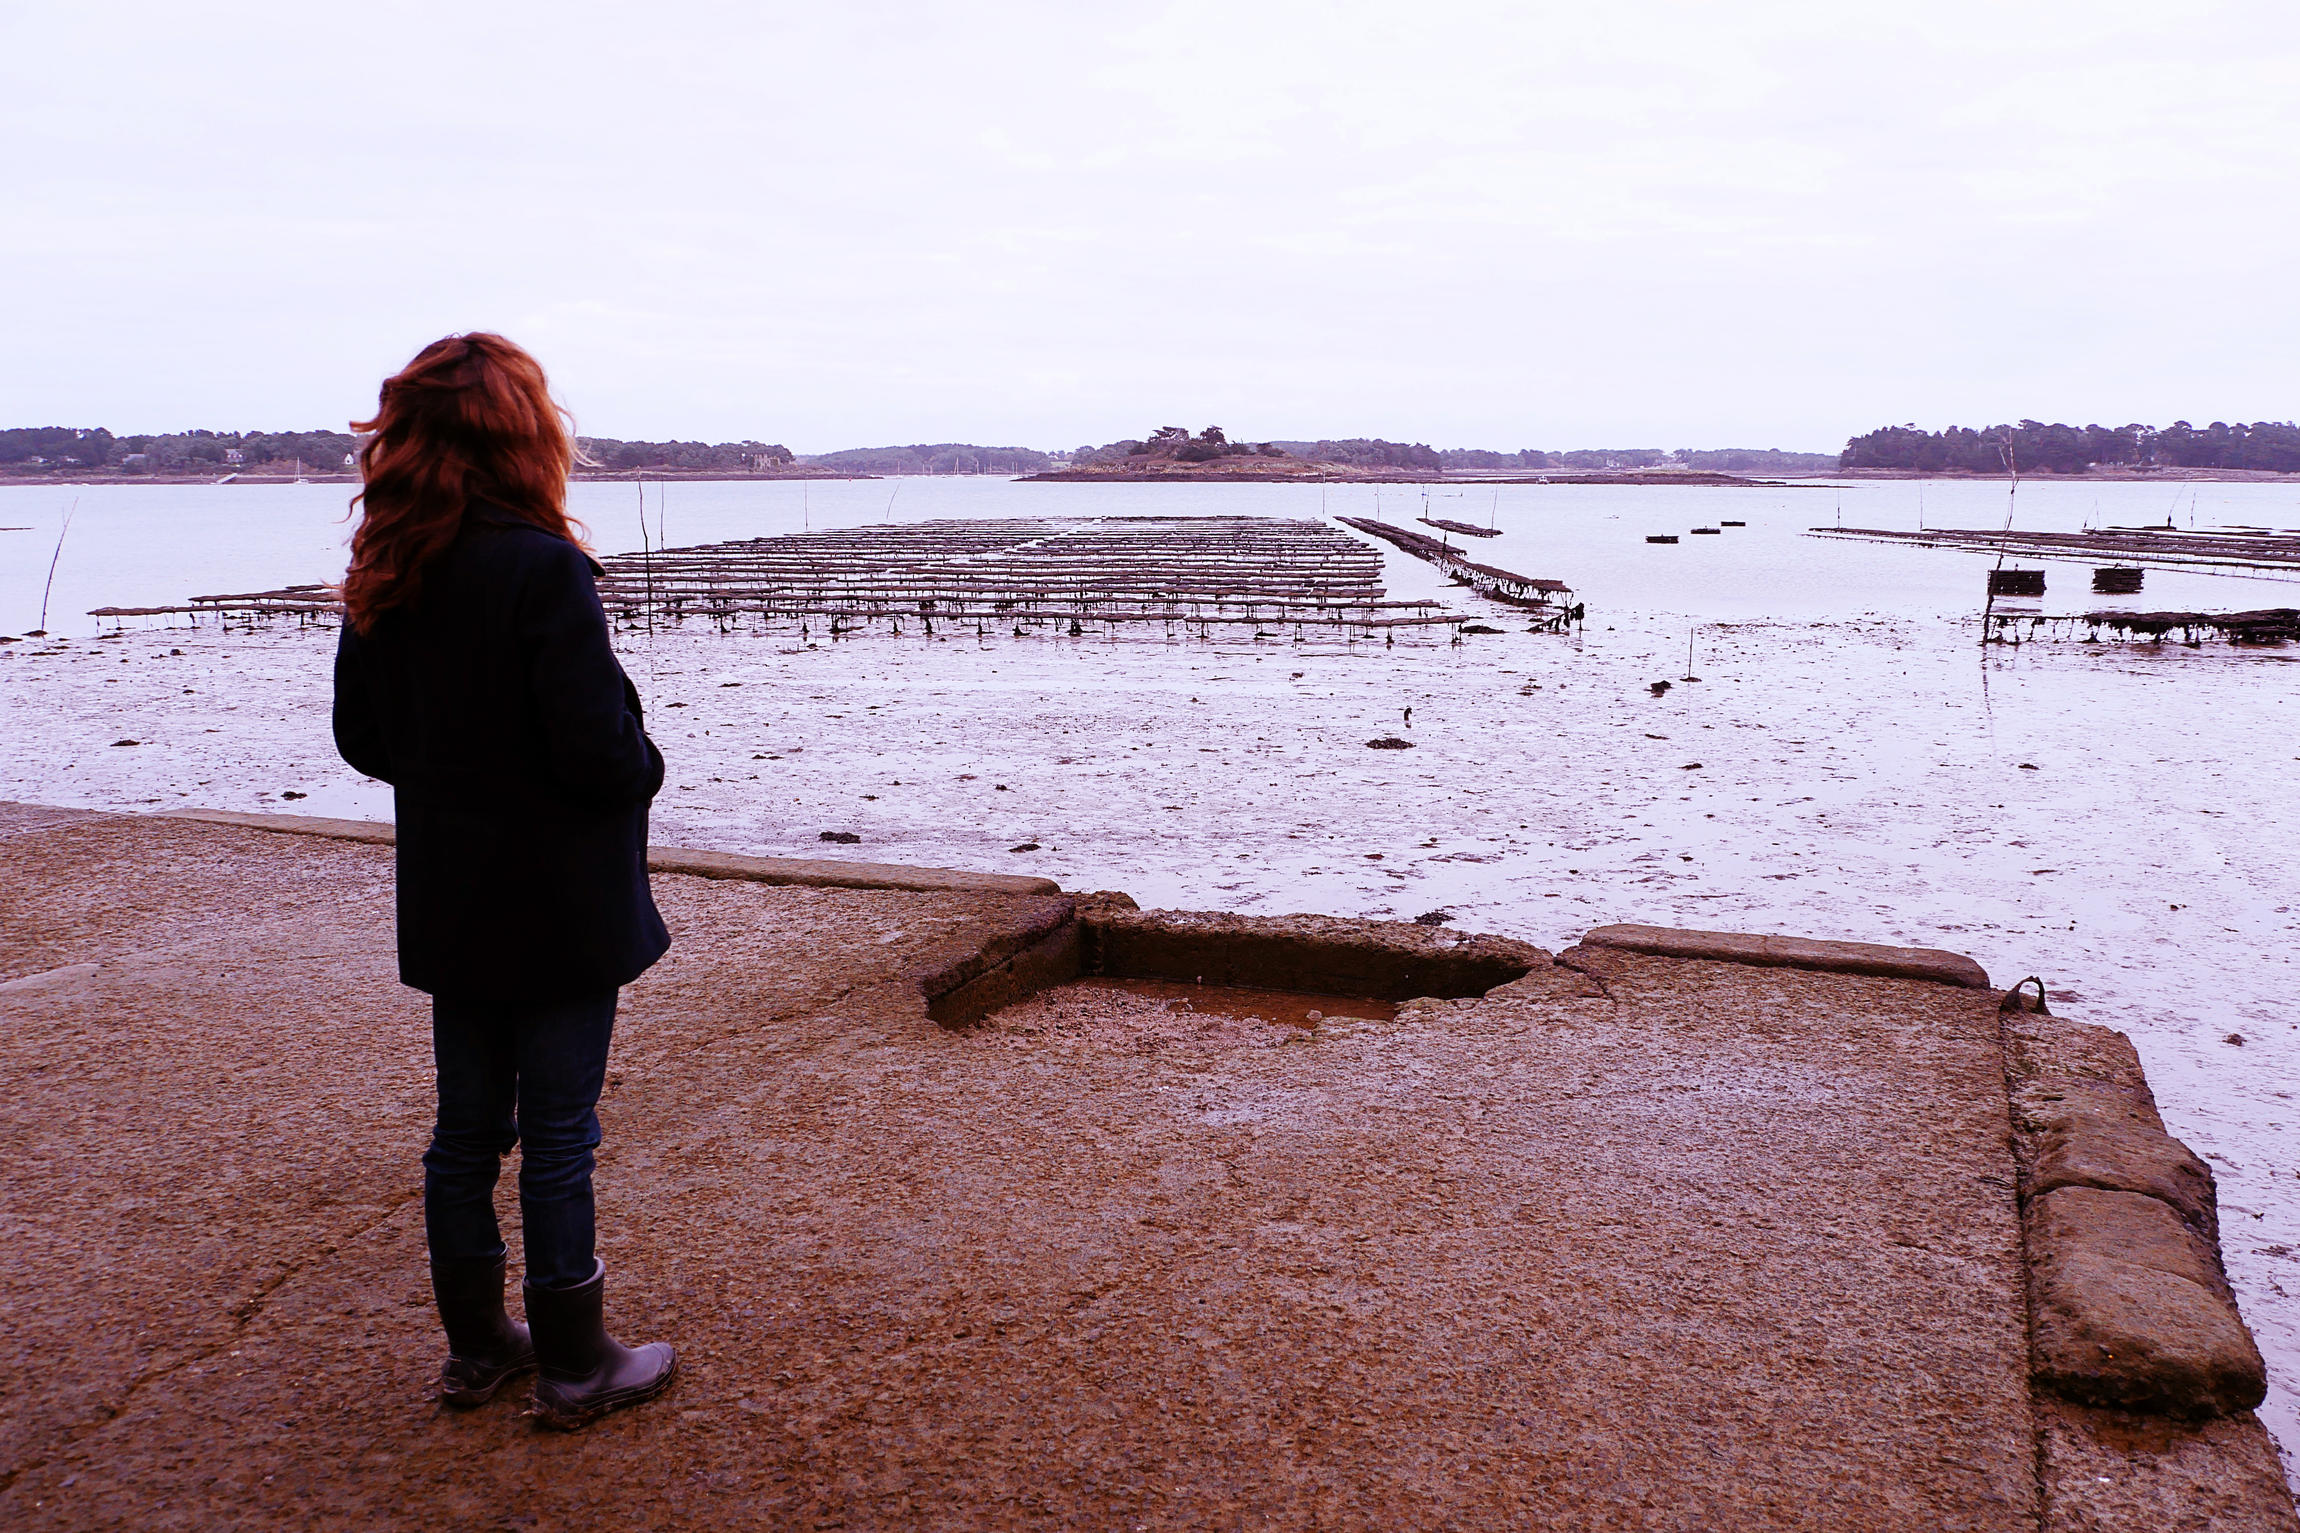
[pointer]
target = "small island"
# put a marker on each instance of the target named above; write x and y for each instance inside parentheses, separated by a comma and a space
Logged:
(1171, 454)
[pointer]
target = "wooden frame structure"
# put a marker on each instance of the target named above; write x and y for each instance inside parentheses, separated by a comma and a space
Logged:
(2166, 547)
(1550, 601)
(2264, 626)
(1188, 576)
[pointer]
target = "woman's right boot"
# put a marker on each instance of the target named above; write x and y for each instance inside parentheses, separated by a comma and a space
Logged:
(582, 1373)
(485, 1346)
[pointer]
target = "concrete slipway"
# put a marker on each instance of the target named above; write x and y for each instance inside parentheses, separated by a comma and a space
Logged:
(1664, 1232)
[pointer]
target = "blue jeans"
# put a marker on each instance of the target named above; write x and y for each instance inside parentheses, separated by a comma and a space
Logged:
(527, 1075)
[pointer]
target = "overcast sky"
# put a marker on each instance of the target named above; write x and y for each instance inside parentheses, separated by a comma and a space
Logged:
(1643, 222)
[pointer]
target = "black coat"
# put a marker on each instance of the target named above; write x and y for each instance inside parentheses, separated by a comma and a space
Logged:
(521, 768)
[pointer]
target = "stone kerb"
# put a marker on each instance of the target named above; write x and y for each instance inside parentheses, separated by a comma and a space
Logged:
(1795, 953)
(2129, 1303)
(809, 871)
(2131, 1310)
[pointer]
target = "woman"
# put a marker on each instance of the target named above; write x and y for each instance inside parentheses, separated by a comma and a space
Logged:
(475, 677)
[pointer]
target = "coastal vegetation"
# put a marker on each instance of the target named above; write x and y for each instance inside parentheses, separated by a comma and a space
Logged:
(71, 449)
(1378, 453)
(1726, 460)
(932, 458)
(1174, 452)
(1754, 460)
(1173, 444)
(2035, 447)
(92, 449)
(1367, 452)
(1483, 460)
(685, 457)
(51, 450)
(1177, 444)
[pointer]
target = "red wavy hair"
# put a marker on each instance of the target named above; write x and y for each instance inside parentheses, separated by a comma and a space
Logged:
(470, 419)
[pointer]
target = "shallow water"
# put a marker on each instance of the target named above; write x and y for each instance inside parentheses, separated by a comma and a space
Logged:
(2115, 818)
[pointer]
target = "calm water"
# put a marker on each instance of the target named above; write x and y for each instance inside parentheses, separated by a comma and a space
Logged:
(148, 545)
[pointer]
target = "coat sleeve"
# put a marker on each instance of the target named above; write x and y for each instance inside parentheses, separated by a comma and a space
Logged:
(358, 734)
(594, 734)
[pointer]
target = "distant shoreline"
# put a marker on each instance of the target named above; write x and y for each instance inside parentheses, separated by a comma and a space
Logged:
(2095, 475)
(1337, 474)
(1344, 474)
(616, 476)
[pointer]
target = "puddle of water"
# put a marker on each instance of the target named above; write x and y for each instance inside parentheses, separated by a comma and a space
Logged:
(1287, 1008)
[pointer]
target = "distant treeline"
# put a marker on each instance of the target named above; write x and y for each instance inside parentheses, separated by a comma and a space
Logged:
(174, 452)
(699, 457)
(933, 458)
(1377, 452)
(1366, 452)
(2034, 447)
(1726, 460)
(223, 452)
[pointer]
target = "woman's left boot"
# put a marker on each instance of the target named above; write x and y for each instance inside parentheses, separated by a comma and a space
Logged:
(485, 1346)
(582, 1372)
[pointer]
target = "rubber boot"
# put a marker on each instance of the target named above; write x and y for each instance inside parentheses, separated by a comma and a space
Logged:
(485, 1346)
(581, 1372)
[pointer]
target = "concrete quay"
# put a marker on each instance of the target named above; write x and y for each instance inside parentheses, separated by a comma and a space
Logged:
(1668, 1231)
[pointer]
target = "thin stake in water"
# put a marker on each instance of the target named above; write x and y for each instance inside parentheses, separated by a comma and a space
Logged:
(2012, 497)
(42, 631)
(646, 559)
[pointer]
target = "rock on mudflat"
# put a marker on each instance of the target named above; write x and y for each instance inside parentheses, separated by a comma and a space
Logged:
(2129, 1310)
